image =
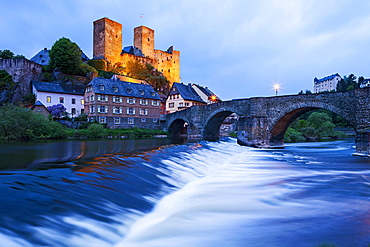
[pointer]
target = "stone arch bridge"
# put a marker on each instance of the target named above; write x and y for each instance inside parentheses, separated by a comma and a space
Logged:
(264, 120)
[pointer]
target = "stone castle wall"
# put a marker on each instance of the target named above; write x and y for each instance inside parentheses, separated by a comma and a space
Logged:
(23, 71)
(108, 45)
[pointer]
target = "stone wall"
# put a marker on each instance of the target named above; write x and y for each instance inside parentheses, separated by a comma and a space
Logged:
(22, 71)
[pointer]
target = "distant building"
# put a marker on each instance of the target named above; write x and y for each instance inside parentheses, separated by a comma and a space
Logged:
(365, 83)
(183, 96)
(42, 57)
(326, 84)
(40, 108)
(122, 104)
(71, 97)
(107, 45)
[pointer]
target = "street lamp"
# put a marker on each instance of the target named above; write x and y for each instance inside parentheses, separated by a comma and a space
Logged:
(276, 88)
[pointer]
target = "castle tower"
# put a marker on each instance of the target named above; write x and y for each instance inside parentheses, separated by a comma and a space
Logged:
(107, 40)
(144, 40)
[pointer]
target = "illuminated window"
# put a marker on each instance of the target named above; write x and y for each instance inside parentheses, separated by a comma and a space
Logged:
(117, 120)
(61, 100)
(48, 99)
(82, 101)
(102, 119)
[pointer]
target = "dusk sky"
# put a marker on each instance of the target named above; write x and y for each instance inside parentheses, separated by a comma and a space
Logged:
(238, 48)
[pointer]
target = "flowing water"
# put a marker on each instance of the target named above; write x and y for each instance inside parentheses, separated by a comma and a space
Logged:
(131, 193)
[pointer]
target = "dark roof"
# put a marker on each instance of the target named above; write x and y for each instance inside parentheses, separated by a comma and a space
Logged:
(325, 78)
(133, 50)
(186, 91)
(38, 103)
(207, 91)
(58, 88)
(42, 57)
(125, 88)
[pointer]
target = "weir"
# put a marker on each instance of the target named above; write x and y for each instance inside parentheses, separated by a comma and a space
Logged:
(264, 120)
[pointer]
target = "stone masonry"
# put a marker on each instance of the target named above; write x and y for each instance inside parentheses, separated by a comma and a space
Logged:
(264, 120)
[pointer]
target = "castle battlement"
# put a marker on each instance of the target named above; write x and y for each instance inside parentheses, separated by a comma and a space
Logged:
(107, 45)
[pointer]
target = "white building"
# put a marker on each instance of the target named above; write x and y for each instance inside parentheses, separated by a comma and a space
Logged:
(326, 84)
(71, 97)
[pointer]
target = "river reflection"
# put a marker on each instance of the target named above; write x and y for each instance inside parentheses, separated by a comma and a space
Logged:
(35, 155)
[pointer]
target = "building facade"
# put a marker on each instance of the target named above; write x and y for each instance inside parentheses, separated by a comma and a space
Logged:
(71, 97)
(326, 84)
(122, 104)
(183, 96)
(107, 45)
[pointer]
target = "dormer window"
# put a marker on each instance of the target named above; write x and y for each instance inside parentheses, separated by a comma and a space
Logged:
(129, 90)
(115, 89)
(152, 93)
(141, 92)
(101, 87)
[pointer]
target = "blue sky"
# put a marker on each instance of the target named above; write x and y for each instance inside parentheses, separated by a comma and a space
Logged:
(238, 48)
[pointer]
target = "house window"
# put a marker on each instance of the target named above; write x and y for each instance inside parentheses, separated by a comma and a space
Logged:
(143, 101)
(129, 90)
(117, 120)
(82, 101)
(155, 120)
(117, 99)
(130, 120)
(91, 109)
(143, 120)
(102, 119)
(101, 87)
(131, 101)
(73, 101)
(187, 104)
(181, 104)
(102, 98)
(177, 96)
(130, 111)
(143, 111)
(155, 102)
(170, 105)
(141, 92)
(102, 109)
(73, 111)
(88, 89)
(115, 89)
(61, 100)
(48, 99)
(92, 97)
(117, 110)
(152, 93)
(91, 119)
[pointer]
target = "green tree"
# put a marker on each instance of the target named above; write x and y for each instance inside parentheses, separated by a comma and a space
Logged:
(347, 83)
(148, 73)
(6, 54)
(66, 56)
(6, 84)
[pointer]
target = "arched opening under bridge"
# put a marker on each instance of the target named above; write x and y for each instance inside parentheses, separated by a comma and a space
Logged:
(220, 124)
(178, 127)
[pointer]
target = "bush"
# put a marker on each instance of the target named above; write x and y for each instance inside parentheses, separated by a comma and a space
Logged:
(21, 123)
(96, 130)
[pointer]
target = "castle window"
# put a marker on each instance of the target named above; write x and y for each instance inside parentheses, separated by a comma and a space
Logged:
(148, 39)
(169, 70)
(174, 61)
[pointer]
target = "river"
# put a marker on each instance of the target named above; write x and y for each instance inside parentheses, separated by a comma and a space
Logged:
(153, 193)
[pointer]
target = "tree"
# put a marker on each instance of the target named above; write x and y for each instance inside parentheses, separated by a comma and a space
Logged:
(347, 83)
(56, 111)
(6, 84)
(66, 56)
(6, 54)
(148, 73)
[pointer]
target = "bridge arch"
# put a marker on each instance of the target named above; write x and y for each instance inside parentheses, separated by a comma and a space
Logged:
(279, 124)
(176, 126)
(213, 122)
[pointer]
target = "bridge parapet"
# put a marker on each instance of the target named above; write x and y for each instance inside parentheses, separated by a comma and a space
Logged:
(264, 120)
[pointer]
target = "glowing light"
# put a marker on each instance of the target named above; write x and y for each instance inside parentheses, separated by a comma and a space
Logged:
(213, 97)
(276, 87)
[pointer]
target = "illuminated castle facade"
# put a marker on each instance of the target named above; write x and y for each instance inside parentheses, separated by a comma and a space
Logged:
(108, 46)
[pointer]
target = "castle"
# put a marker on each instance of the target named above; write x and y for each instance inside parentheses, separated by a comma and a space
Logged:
(107, 45)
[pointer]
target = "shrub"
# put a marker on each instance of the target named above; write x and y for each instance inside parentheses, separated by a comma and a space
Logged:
(96, 130)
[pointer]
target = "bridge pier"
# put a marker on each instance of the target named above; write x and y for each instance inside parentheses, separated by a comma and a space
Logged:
(253, 132)
(362, 143)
